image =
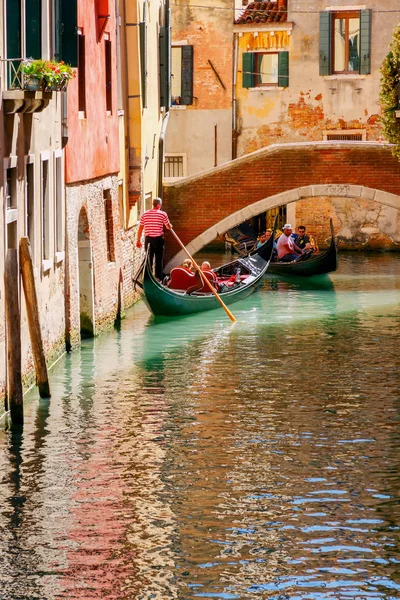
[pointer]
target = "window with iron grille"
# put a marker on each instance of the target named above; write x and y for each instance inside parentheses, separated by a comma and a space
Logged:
(345, 135)
(174, 166)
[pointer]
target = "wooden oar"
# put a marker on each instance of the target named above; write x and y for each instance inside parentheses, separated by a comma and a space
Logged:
(204, 278)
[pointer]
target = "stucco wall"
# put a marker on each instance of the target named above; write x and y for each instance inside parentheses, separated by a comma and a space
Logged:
(31, 139)
(93, 146)
(191, 131)
(311, 104)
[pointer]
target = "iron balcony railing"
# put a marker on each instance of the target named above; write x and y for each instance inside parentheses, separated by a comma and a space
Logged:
(13, 75)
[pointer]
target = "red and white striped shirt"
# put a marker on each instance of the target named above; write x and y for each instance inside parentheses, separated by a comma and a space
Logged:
(153, 221)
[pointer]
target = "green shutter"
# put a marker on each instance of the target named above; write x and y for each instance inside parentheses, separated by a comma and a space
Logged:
(13, 25)
(248, 70)
(143, 63)
(325, 42)
(68, 50)
(365, 42)
(187, 75)
(33, 32)
(165, 62)
(283, 69)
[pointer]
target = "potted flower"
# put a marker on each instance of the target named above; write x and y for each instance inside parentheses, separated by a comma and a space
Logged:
(56, 75)
(33, 74)
(47, 75)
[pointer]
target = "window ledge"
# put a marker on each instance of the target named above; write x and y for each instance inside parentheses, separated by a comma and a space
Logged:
(47, 263)
(111, 264)
(81, 114)
(108, 113)
(266, 88)
(178, 107)
(344, 77)
(12, 215)
(59, 257)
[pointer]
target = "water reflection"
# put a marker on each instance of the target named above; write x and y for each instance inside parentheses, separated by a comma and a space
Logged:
(190, 458)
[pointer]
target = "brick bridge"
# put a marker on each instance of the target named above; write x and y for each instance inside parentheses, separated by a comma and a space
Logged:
(206, 205)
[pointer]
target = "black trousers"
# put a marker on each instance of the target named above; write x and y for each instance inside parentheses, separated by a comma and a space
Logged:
(156, 251)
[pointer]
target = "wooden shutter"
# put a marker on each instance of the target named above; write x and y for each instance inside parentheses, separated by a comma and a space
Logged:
(68, 27)
(165, 62)
(13, 26)
(325, 43)
(283, 69)
(143, 64)
(187, 75)
(33, 29)
(248, 75)
(143, 56)
(365, 42)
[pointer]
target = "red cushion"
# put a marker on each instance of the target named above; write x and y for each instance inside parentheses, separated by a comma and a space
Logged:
(180, 279)
(212, 278)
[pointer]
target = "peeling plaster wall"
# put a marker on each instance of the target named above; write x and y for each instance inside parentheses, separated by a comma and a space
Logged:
(191, 129)
(359, 223)
(311, 104)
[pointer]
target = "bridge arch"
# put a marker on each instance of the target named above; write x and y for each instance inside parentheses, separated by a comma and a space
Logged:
(333, 190)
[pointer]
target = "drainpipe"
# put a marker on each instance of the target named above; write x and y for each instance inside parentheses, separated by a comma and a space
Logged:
(235, 132)
(166, 116)
(161, 155)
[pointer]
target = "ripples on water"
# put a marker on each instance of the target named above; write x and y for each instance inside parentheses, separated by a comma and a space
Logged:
(196, 459)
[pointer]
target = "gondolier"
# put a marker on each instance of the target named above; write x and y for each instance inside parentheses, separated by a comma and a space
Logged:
(153, 222)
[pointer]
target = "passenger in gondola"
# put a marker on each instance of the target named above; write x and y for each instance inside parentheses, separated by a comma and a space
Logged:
(211, 276)
(187, 265)
(301, 239)
(287, 249)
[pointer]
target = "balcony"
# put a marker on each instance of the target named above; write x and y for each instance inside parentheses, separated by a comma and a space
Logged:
(20, 97)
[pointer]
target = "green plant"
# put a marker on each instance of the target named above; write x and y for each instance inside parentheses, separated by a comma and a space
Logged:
(53, 74)
(389, 93)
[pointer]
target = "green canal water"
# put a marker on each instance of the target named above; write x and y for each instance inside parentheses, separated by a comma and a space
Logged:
(193, 458)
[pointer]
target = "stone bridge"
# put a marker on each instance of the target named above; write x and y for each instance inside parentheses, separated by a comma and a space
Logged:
(206, 205)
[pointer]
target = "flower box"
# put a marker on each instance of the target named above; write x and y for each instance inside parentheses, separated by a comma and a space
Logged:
(47, 75)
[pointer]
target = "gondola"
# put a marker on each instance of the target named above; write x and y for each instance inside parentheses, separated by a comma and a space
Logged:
(246, 271)
(317, 264)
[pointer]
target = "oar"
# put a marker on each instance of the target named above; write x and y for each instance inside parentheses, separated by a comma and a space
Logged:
(204, 278)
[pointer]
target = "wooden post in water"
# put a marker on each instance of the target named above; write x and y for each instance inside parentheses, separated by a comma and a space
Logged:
(13, 326)
(32, 309)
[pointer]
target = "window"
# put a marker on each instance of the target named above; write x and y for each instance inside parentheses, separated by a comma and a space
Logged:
(165, 62)
(109, 223)
(66, 30)
(81, 74)
(182, 75)
(174, 166)
(59, 203)
(33, 33)
(265, 69)
(107, 44)
(351, 135)
(30, 206)
(345, 42)
(45, 211)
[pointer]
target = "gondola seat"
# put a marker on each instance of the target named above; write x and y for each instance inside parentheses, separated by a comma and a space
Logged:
(212, 278)
(181, 279)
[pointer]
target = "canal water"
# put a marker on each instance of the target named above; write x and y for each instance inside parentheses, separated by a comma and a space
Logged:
(193, 458)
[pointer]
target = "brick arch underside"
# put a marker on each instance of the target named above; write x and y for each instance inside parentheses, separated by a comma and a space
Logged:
(203, 207)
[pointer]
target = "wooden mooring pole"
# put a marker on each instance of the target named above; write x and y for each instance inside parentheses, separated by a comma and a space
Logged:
(13, 326)
(32, 310)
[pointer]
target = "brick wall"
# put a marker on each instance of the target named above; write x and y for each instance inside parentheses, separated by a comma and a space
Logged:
(113, 288)
(201, 201)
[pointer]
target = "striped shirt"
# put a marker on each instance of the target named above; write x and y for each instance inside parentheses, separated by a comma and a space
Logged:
(153, 221)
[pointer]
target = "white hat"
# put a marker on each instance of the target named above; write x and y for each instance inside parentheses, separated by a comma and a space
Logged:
(287, 226)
